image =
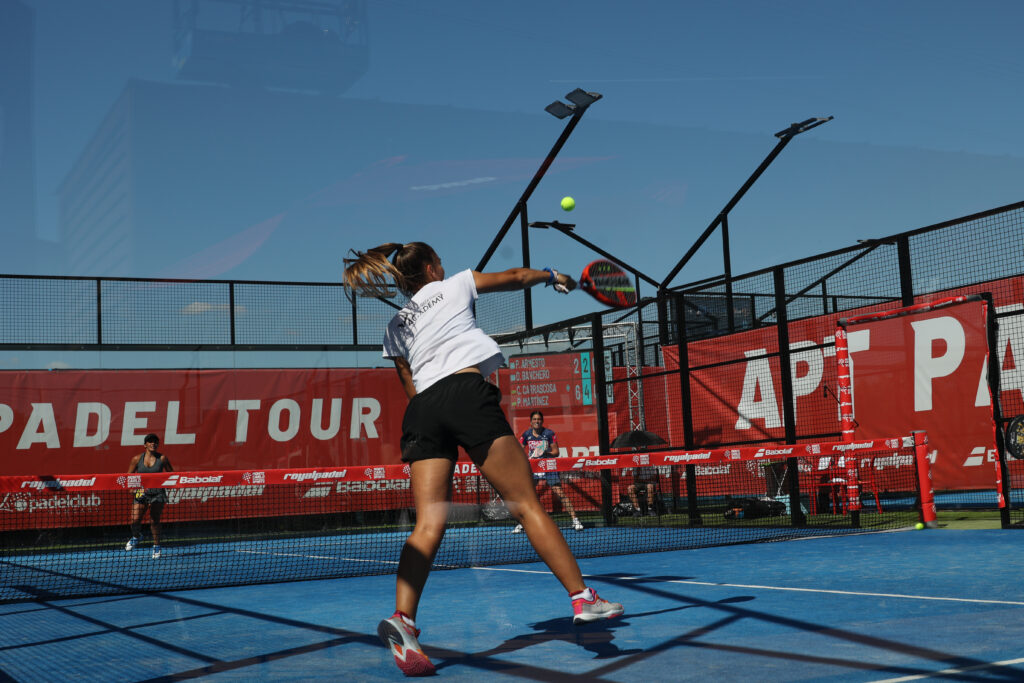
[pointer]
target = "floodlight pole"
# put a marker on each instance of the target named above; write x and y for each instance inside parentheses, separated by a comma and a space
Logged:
(580, 102)
(567, 230)
(722, 218)
(528, 192)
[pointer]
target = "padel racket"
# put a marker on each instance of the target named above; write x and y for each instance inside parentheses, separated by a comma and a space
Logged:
(609, 284)
(1014, 437)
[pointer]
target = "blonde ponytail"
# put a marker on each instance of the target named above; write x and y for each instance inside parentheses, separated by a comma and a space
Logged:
(372, 272)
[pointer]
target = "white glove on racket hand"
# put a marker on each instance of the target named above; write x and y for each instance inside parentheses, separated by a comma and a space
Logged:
(563, 283)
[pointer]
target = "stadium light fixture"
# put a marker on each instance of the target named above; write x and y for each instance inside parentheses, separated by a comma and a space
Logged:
(559, 109)
(803, 126)
(583, 99)
(580, 98)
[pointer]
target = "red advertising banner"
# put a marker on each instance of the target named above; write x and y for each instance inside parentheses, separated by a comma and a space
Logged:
(95, 420)
(63, 501)
(742, 401)
(929, 371)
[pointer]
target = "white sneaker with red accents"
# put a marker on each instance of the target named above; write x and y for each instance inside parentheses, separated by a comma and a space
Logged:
(585, 611)
(401, 639)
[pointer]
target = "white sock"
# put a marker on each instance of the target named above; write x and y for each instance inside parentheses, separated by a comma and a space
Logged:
(586, 594)
(410, 622)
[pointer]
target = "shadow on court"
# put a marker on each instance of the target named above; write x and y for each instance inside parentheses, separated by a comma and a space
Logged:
(803, 621)
(597, 637)
(735, 614)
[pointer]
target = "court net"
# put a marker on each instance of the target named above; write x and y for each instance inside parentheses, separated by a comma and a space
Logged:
(66, 536)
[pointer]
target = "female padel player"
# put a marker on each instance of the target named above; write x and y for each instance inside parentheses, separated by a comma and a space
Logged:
(154, 500)
(442, 358)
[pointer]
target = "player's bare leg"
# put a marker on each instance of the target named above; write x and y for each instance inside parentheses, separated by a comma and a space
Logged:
(431, 490)
(508, 471)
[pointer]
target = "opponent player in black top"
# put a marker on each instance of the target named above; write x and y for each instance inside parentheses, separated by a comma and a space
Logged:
(147, 462)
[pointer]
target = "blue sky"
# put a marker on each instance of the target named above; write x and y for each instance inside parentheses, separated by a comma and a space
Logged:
(926, 98)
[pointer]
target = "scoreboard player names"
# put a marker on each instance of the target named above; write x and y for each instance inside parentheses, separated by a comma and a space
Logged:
(551, 380)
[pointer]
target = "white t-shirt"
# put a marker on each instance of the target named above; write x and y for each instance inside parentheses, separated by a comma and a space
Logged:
(436, 332)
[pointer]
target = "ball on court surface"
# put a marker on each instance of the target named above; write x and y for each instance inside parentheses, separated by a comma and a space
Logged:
(568, 203)
(919, 526)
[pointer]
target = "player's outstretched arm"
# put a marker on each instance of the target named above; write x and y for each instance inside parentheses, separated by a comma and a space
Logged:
(520, 278)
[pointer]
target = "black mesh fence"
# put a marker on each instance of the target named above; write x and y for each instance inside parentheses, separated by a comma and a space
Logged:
(780, 323)
(662, 366)
(124, 313)
(1015, 469)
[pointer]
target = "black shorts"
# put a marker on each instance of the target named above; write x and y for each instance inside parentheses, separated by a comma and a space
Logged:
(150, 496)
(460, 410)
(646, 475)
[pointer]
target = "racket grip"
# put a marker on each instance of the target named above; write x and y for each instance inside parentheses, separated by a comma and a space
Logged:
(562, 287)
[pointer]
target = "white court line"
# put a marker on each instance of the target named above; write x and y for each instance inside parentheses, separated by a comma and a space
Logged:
(951, 672)
(316, 557)
(778, 588)
(333, 557)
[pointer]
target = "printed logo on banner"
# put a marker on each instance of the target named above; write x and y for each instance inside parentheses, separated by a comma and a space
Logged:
(255, 477)
(176, 479)
(643, 459)
(132, 481)
(813, 448)
(205, 493)
(768, 452)
(14, 502)
(368, 486)
(892, 461)
(704, 470)
(976, 458)
(863, 445)
(314, 475)
(594, 462)
(548, 464)
(24, 502)
(406, 470)
(734, 454)
(686, 457)
(378, 472)
(59, 484)
(319, 490)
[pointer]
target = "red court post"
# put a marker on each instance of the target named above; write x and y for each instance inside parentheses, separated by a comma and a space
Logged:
(843, 380)
(924, 478)
(851, 463)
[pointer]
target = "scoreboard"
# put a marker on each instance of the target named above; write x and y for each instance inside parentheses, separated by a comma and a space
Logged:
(553, 380)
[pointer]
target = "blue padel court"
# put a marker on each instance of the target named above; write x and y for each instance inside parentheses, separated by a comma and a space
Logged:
(895, 606)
